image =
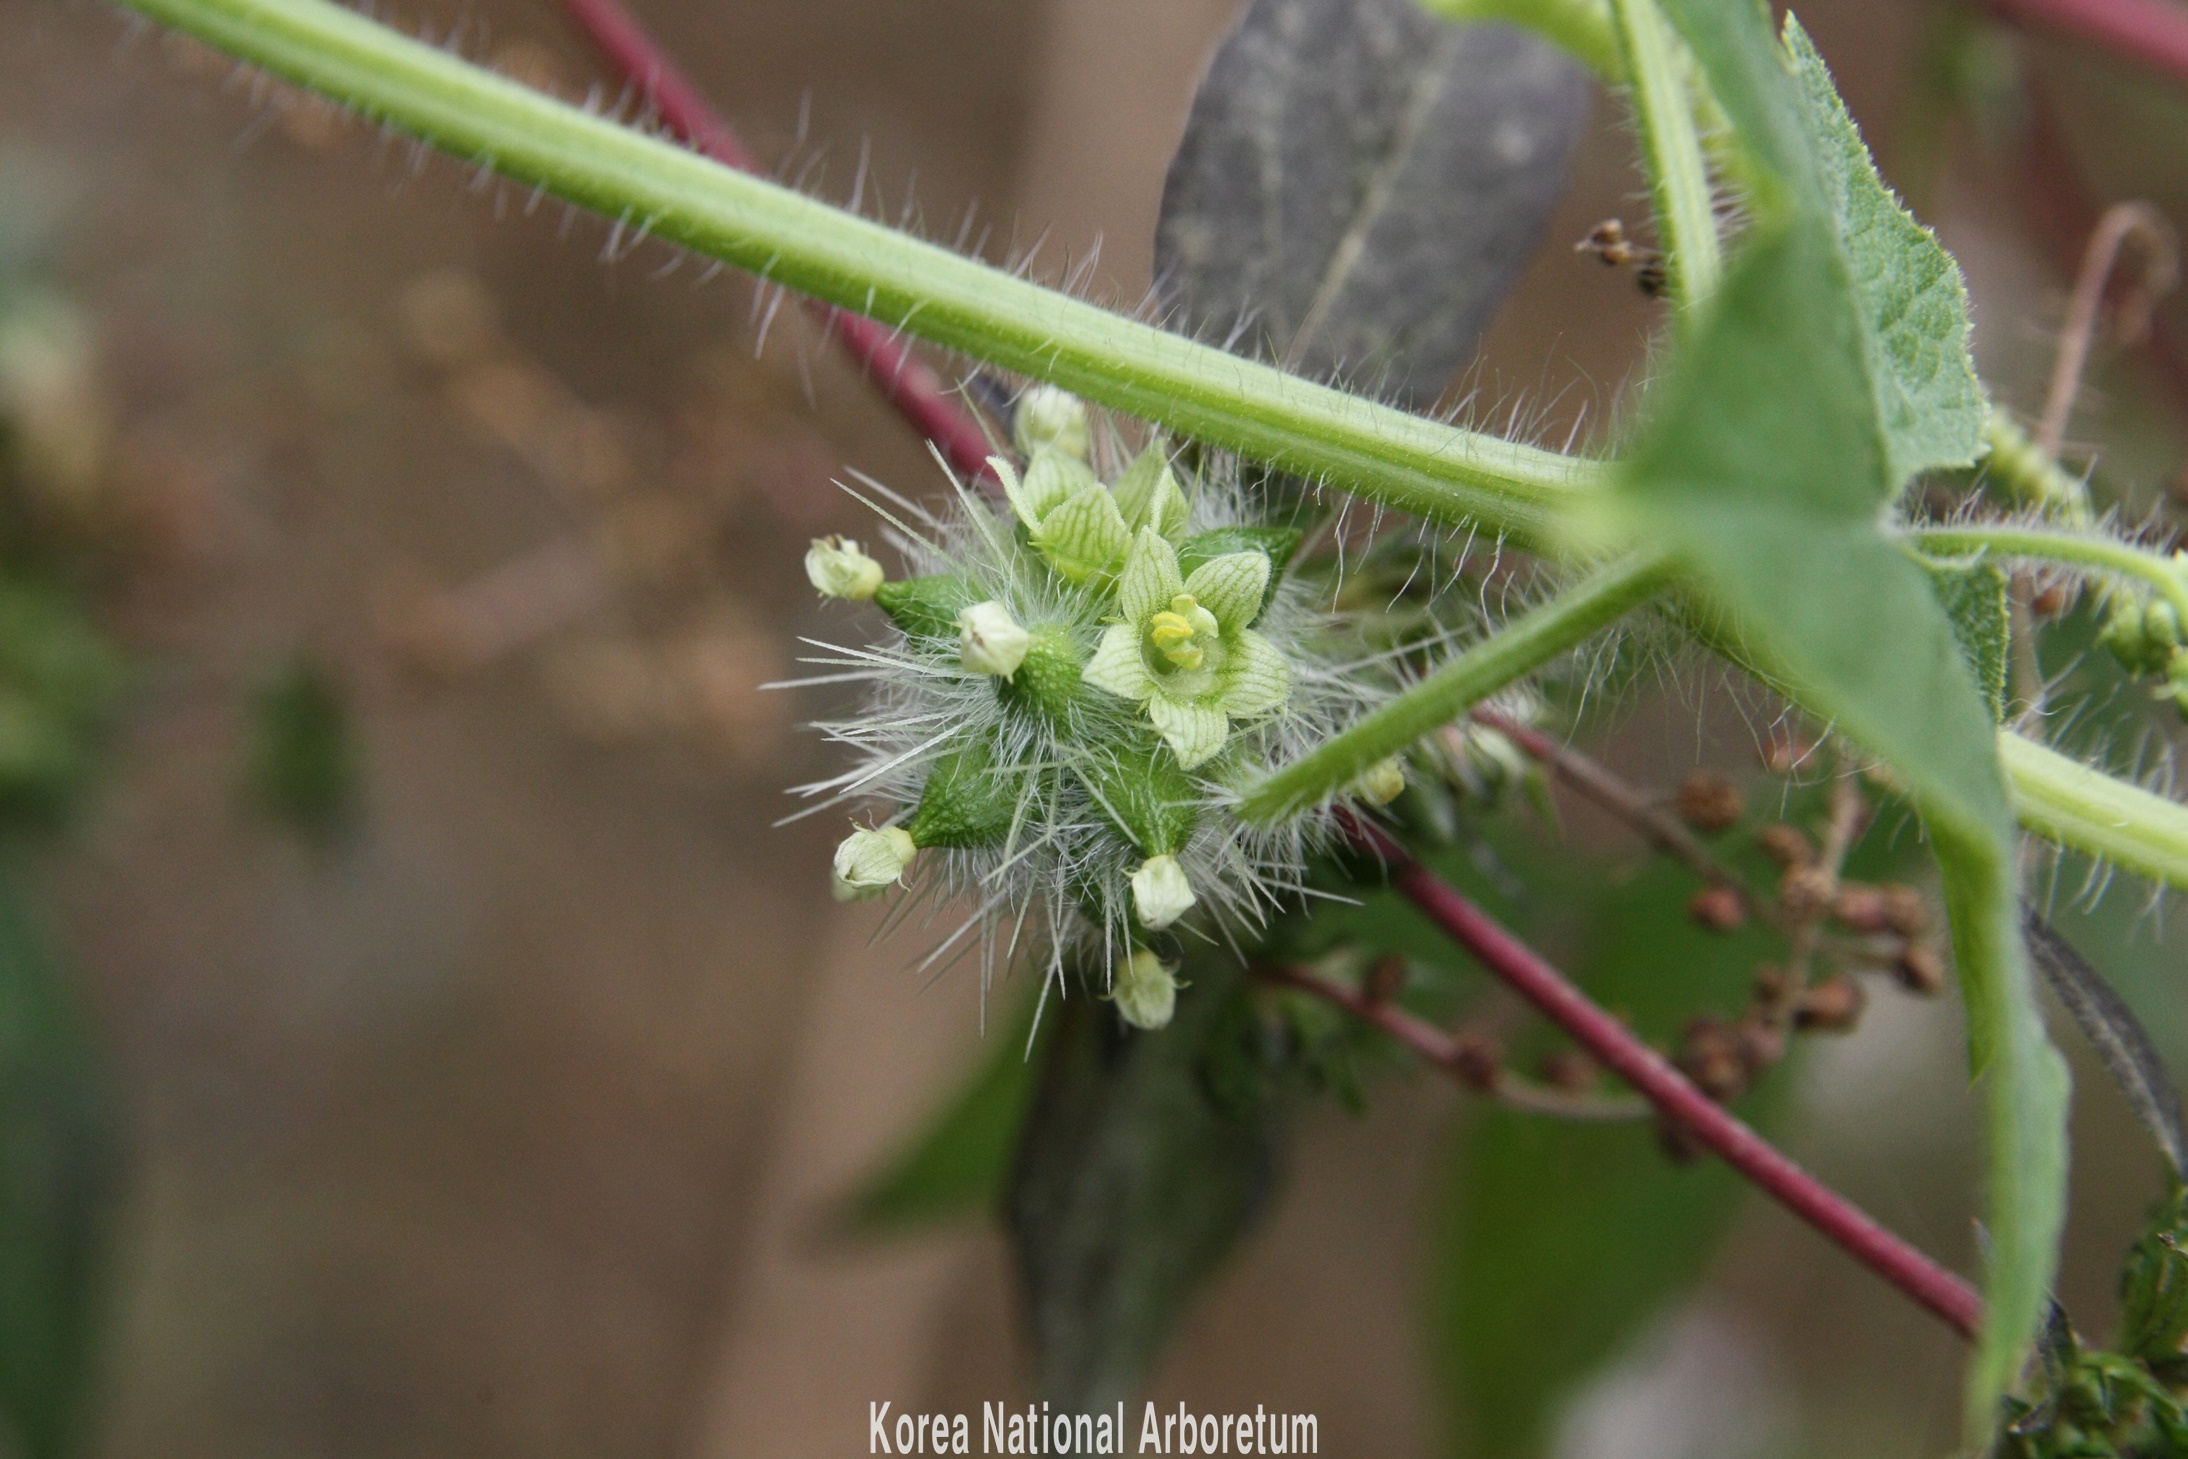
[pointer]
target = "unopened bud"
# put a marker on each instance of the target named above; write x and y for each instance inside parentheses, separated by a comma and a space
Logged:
(990, 641)
(839, 568)
(1383, 782)
(1476, 1061)
(1863, 908)
(1569, 1070)
(1160, 892)
(1718, 908)
(1386, 978)
(1709, 804)
(1145, 990)
(1047, 416)
(1920, 970)
(1831, 1006)
(1785, 844)
(1905, 912)
(869, 862)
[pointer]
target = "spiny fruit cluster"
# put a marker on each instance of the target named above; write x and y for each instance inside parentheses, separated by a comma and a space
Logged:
(1075, 690)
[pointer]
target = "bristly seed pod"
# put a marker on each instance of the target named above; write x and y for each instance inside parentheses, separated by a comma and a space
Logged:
(1077, 688)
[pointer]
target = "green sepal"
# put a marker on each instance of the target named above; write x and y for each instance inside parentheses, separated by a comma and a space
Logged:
(1047, 683)
(1976, 598)
(1278, 542)
(928, 607)
(1144, 794)
(964, 802)
(1149, 496)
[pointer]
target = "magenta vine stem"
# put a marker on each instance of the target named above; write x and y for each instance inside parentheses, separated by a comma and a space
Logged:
(2152, 33)
(904, 380)
(1619, 1050)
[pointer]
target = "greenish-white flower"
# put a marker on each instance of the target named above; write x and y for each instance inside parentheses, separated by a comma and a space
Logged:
(869, 862)
(1050, 417)
(840, 568)
(1145, 990)
(990, 641)
(1184, 649)
(1083, 528)
(1160, 892)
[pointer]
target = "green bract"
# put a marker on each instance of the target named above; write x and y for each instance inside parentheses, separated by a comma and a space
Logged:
(1184, 649)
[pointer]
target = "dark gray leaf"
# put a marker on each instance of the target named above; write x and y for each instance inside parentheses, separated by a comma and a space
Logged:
(1145, 1158)
(2117, 1035)
(1359, 184)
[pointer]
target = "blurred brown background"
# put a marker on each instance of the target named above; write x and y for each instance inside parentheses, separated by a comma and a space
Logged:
(508, 1124)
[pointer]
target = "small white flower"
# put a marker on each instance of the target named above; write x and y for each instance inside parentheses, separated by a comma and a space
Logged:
(1184, 649)
(990, 641)
(1383, 782)
(1145, 990)
(1160, 892)
(839, 568)
(1047, 416)
(870, 862)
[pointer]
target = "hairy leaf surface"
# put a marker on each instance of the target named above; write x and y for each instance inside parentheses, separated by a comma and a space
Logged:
(1767, 471)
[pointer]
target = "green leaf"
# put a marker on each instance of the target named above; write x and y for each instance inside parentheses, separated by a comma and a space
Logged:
(1562, 1240)
(1914, 305)
(56, 1184)
(1976, 598)
(1766, 473)
(955, 1166)
(1145, 1158)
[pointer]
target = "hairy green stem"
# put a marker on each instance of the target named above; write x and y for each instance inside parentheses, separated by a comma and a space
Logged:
(652, 187)
(1520, 647)
(2085, 550)
(2063, 800)
(1671, 150)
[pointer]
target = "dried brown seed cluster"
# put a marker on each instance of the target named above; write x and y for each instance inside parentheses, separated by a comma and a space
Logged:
(1709, 804)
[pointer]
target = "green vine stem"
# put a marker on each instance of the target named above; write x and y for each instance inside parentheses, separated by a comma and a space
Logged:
(1671, 150)
(1520, 647)
(656, 188)
(2084, 550)
(2065, 801)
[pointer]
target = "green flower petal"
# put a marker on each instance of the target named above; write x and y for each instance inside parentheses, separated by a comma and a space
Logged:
(1230, 587)
(1150, 578)
(1195, 730)
(1052, 479)
(1118, 666)
(1149, 496)
(1084, 537)
(1255, 676)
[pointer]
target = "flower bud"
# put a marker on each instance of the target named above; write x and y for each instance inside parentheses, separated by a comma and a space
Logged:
(990, 641)
(1160, 892)
(1145, 990)
(1047, 416)
(839, 568)
(1383, 782)
(870, 862)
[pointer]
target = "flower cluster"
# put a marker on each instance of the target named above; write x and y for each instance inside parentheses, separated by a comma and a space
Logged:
(1078, 681)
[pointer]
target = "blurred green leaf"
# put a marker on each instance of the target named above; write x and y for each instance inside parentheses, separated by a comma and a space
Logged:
(955, 1166)
(302, 765)
(1560, 1240)
(56, 1178)
(58, 677)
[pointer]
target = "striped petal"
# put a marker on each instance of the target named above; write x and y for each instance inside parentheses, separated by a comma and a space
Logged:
(1256, 677)
(1231, 586)
(1194, 729)
(1150, 578)
(1117, 665)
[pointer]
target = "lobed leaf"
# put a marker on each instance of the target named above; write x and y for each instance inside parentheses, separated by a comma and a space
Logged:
(1766, 473)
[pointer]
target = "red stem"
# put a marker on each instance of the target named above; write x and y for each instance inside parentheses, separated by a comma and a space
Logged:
(909, 384)
(1616, 1048)
(2151, 32)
